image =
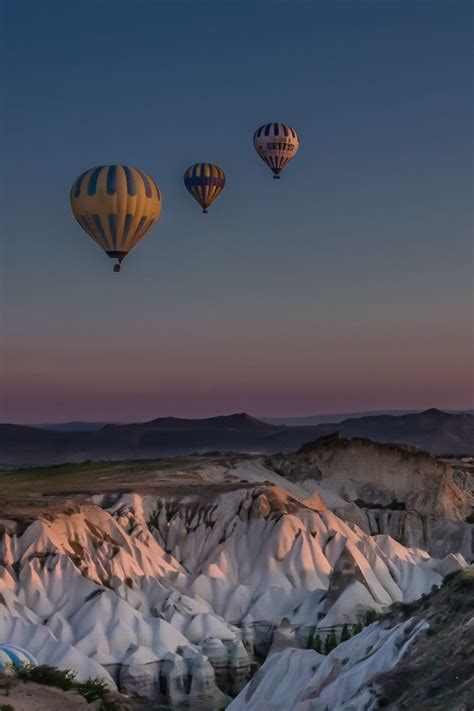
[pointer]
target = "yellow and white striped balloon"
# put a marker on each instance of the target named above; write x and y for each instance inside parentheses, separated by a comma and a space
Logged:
(276, 144)
(116, 206)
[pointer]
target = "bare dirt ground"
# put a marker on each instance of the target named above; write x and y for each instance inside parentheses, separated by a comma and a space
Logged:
(36, 697)
(26, 494)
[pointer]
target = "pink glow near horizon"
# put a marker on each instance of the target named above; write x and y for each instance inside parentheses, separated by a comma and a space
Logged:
(280, 372)
(43, 404)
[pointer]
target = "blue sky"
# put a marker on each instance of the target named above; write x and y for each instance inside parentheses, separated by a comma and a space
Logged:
(346, 285)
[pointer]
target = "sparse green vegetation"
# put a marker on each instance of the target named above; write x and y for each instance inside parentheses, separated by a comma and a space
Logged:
(330, 642)
(47, 675)
(345, 634)
(370, 617)
(46, 491)
(91, 690)
(317, 645)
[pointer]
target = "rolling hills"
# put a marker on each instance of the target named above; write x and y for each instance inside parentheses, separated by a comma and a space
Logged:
(433, 430)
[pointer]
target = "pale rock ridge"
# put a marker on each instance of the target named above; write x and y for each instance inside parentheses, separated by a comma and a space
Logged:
(115, 633)
(147, 593)
(387, 488)
(261, 550)
(303, 680)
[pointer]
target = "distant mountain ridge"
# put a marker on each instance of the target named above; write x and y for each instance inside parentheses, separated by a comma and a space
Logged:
(240, 420)
(72, 426)
(323, 418)
(292, 421)
(308, 420)
(433, 430)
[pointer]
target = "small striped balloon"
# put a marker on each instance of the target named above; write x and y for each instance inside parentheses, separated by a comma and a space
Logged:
(116, 206)
(205, 182)
(276, 144)
(12, 657)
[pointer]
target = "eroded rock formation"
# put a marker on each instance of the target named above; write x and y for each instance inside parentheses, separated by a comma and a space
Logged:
(388, 488)
(162, 595)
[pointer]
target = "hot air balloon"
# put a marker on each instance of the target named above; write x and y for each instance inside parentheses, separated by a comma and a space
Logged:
(13, 658)
(205, 182)
(276, 144)
(116, 206)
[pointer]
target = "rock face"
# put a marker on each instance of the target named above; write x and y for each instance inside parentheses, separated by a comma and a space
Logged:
(303, 680)
(387, 488)
(420, 656)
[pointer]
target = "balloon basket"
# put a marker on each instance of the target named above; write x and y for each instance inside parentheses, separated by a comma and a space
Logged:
(204, 212)
(117, 267)
(276, 177)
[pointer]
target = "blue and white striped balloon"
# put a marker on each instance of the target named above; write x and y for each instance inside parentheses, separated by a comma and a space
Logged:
(12, 656)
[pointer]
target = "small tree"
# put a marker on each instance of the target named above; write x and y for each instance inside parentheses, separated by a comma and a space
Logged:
(317, 645)
(370, 616)
(310, 642)
(345, 634)
(330, 642)
(357, 628)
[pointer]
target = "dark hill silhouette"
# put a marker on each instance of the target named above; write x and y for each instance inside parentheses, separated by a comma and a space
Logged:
(73, 426)
(240, 420)
(433, 430)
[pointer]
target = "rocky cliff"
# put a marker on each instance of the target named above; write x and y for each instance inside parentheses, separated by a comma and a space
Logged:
(387, 488)
(420, 656)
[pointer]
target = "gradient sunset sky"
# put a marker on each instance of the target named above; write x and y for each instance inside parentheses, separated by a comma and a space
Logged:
(345, 286)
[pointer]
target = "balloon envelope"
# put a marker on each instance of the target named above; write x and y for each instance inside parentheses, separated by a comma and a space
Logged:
(276, 144)
(116, 206)
(205, 182)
